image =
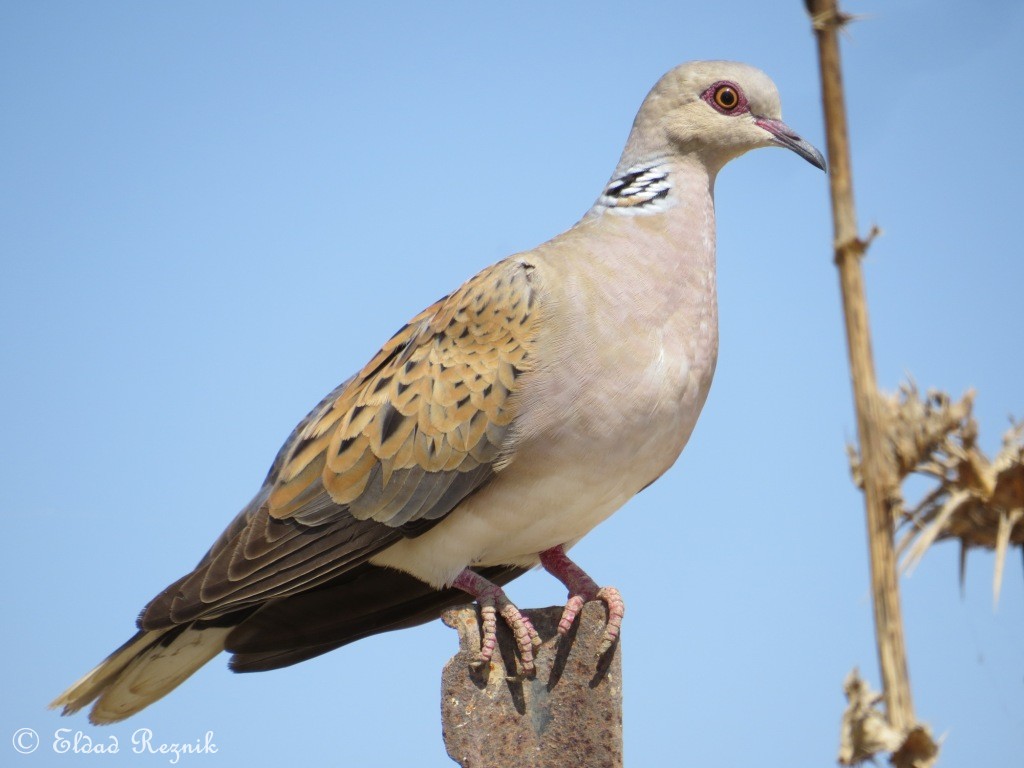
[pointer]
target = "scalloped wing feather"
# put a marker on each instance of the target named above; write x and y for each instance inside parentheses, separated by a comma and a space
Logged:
(427, 419)
(385, 455)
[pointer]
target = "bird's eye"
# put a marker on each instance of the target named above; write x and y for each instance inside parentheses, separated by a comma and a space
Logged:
(726, 97)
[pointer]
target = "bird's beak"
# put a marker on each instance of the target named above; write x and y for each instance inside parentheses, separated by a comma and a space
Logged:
(786, 137)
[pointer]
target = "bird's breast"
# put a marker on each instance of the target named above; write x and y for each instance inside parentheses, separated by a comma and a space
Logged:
(619, 375)
(609, 408)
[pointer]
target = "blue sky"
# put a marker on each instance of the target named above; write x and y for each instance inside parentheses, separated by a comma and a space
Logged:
(213, 213)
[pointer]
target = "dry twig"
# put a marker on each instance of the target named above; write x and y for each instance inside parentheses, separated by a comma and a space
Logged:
(877, 469)
(878, 478)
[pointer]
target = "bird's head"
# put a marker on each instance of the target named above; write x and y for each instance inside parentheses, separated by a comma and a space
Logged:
(717, 110)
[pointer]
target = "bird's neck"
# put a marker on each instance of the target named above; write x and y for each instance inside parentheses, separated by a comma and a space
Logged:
(661, 215)
(665, 205)
(642, 188)
(655, 185)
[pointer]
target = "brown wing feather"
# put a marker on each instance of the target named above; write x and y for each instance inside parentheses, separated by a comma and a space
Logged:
(364, 601)
(435, 403)
(387, 454)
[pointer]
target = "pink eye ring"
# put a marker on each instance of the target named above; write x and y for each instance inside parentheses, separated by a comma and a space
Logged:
(726, 97)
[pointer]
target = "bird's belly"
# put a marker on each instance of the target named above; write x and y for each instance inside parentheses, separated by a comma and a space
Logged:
(590, 460)
(531, 506)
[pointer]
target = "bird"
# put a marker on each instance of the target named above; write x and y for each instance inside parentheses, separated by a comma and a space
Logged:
(491, 433)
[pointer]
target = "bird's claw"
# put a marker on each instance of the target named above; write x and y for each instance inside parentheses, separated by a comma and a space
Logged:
(569, 613)
(616, 610)
(526, 637)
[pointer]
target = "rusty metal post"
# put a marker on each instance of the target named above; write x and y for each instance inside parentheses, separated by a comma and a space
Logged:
(568, 715)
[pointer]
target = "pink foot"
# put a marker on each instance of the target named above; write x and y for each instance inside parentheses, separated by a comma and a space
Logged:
(581, 590)
(493, 600)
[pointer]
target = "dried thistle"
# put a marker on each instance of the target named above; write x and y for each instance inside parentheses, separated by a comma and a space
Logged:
(978, 501)
(916, 428)
(865, 731)
(975, 500)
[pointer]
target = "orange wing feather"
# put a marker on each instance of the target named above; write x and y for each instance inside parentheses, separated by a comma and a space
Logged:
(434, 404)
(425, 423)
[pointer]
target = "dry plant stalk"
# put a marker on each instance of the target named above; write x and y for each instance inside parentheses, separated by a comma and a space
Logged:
(978, 501)
(880, 482)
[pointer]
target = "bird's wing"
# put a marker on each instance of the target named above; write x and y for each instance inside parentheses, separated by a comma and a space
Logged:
(363, 601)
(388, 454)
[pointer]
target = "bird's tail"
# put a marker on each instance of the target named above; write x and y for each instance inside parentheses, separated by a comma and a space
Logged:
(147, 667)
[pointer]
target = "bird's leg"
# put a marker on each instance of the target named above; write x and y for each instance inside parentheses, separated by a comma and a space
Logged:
(581, 589)
(493, 600)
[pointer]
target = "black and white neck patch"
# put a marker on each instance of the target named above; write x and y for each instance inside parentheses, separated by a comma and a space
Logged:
(643, 188)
